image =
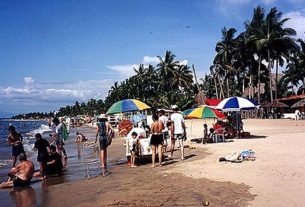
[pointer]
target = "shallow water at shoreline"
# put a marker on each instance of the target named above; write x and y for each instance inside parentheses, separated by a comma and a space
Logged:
(75, 170)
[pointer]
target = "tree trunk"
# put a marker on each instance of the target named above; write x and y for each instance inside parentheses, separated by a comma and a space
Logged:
(215, 85)
(228, 87)
(276, 77)
(270, 76)
(259, 80)
(221, 95)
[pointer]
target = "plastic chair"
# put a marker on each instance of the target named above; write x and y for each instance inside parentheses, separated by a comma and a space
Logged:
(220, 134)
(90, 156)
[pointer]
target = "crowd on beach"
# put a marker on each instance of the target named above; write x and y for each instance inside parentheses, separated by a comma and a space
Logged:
(165, 130)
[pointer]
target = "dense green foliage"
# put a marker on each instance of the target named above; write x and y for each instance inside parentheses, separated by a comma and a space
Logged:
(242, 66)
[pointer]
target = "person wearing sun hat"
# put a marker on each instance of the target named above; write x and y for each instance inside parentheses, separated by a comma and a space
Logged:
(177, 130)
(103, 128)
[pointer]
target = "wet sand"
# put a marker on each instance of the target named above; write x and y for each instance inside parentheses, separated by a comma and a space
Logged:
(125, 186)
(146, 186)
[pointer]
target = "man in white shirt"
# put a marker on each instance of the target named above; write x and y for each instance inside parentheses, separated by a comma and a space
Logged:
(177, 130)
(165, 134)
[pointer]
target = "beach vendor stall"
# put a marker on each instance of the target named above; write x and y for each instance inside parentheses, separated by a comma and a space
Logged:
(133, 105)
(144, 142)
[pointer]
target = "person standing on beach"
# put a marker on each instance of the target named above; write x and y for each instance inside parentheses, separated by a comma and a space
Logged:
(177, 131)
(42, 145)
(156, 139)
(103, 128)
(165, 134)
(59, 137)
(15, 140)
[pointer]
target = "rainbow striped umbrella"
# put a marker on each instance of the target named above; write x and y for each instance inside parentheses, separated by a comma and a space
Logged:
(127, 105)
(203, 112)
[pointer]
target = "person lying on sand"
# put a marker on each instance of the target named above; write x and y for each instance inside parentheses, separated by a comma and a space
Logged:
(20, 175)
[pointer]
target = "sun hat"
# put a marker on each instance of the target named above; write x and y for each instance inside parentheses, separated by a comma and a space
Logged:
(174, 107)
(102, 116)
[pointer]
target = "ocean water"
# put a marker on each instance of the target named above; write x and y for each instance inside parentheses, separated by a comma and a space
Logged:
(28, 129)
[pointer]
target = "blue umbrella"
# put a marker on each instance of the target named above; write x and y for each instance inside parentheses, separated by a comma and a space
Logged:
(236, 104)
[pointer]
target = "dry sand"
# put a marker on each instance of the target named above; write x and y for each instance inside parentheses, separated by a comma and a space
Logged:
(275, 178)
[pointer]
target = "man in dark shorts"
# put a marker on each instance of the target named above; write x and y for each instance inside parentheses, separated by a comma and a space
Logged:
(20, 175)
(54, 164)
(15, 140)
(42, 146)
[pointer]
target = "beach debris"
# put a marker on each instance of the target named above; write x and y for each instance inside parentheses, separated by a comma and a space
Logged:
(205, 203)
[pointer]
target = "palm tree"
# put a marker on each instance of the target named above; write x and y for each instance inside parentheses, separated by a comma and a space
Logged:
(166, 69)
(225, 54)
(266, 34)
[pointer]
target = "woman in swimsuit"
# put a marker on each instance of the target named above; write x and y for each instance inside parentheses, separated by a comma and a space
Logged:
(156, 140)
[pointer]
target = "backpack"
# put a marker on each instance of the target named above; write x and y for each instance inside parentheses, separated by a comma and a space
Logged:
(102, 128)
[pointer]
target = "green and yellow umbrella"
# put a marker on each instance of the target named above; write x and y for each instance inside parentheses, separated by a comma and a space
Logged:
(203, 112)
(127, 105)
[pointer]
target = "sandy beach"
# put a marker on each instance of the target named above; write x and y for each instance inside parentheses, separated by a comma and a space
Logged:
(275, 178)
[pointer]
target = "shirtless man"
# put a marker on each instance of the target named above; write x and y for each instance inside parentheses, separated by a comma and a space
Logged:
(20, 175)
(156, 139)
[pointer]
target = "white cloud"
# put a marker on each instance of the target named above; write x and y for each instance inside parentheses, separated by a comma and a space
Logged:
(52, 95)
(150, 60)
(28, 80)
(296, 21)
(183, 62)
(126, 70)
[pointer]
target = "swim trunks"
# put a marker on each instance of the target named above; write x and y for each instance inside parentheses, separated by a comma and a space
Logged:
(16, 150)
(19, 182)
(156, 139)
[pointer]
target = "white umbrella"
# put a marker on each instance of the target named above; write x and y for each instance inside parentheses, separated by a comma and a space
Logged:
(236, 104)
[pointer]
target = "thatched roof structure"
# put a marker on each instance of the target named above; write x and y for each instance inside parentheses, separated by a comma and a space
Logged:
(277, 104)
(298, 104)
(266, 104)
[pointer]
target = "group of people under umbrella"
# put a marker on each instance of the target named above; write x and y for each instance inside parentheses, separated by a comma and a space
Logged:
(233, 105)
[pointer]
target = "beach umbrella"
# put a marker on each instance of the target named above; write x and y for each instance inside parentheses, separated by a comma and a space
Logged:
(127, 105)
(299, 104)
(202, 112)
(236, 104)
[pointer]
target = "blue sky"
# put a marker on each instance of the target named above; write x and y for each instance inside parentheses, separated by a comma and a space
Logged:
(53, 53)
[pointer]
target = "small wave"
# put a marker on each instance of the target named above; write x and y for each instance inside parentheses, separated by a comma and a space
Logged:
(5, 162)
(42, 129)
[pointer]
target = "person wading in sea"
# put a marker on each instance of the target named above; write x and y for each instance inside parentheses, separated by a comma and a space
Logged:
(15, 140)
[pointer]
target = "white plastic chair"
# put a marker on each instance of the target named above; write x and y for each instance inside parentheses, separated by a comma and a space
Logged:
(90, 156)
